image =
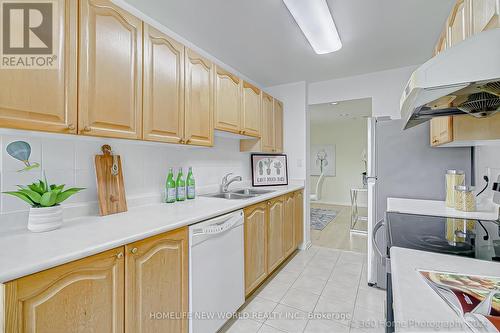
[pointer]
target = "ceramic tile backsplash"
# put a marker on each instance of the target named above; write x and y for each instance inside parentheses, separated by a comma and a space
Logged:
(69, 160)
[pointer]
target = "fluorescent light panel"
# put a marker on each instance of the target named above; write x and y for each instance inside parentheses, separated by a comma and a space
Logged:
(315, 20)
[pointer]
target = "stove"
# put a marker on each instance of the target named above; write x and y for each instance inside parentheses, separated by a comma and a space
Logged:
(454, 236)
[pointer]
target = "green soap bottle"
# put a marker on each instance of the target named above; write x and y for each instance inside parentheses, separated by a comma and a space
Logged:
(180, 185)
(170, 190)
(191, 192)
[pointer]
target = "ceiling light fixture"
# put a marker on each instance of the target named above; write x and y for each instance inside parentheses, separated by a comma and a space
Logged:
(334, 103)
(315, 20)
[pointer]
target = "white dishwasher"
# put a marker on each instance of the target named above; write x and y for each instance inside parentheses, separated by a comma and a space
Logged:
(216, 271)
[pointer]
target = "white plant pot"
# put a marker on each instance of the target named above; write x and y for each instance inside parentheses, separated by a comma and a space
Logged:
(45, 218)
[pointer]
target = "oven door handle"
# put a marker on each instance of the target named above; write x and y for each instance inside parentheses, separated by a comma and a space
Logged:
(374, 238)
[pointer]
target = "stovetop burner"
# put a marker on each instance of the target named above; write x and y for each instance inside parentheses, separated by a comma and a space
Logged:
(438, 244)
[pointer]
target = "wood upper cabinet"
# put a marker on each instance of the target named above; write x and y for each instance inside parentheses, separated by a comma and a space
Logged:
(163, 87)
(441, 130)
(459, 23)
(278, 126)
(268, 136)
(251, 110)
(485, 15)
(255, 246)
(199, 78)
(157, 281)
(110, 87)
(288, 224)
(227, 101)
(275, 253)
(299, 217)
(86, 295)
(45, 99)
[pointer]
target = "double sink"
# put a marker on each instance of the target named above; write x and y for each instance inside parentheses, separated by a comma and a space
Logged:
(238, 194)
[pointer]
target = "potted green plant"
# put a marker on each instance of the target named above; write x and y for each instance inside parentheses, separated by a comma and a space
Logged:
(45, 212)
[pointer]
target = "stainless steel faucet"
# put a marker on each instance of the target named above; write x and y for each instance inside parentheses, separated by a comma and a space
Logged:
(226, 181)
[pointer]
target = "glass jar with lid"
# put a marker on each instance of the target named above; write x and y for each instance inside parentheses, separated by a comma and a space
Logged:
(465, 199)
(453, 178)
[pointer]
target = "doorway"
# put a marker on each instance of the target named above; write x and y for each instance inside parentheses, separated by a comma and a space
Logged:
(338, 153)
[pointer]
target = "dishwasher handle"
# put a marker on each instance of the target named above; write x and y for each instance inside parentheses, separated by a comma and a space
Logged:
(218, 225)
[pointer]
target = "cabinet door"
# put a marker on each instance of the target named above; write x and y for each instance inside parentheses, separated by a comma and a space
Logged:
(255, 246)
(268, 137)
(485, 15)
(441, 130)
(199, 100)
(82, 296)
(299, 217)
(110, 87)
(157, 282)
(45, 99)
(275, 254)
(288, 225)
(459, 23)
(278, 126)
(227, 101)
(252, 110)
(163, 87)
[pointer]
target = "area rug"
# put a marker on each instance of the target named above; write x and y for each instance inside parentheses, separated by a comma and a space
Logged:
(321, 217)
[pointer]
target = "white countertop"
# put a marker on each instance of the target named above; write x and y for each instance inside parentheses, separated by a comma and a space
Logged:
(25, 252)
(414, 301)
(438, 208)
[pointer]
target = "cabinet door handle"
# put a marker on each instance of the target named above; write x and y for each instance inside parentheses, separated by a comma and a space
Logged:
(188, 141)
(86, 129)
(134, 250)
(181, 140)
(71, 127)
(269, 203)
(119, 255)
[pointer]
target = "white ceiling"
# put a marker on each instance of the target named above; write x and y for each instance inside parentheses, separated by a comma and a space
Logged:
(326, 113)
(260, 39)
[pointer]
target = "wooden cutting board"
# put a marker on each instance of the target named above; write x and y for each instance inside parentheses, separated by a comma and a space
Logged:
(110, 186)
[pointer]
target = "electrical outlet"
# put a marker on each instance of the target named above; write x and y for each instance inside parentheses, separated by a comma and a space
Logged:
(496, 191)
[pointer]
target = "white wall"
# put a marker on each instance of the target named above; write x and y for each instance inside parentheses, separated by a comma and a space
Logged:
(296, 137)
(487, 157)
(350, 139)
(69, 159)
(383, 87)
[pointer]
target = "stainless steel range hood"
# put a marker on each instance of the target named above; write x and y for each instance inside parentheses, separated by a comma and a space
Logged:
(464, 79)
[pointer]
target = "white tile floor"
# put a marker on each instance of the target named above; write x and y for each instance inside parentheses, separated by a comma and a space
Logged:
(319, 290)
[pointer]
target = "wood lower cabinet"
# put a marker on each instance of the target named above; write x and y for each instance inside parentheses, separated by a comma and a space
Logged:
(273, 230)
(299, 217)
(289, 224)
(268, 119)
(199, 78)
(255, 246)
(157, 282)
(115, 291)
(110, 62)
(227, 101)
(86, 295)
(275, 253)
(278, 126)
(251, 110)
(43, 99)
(163, 87)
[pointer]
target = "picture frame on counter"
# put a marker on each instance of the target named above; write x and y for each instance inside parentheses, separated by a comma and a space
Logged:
(269, 170)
